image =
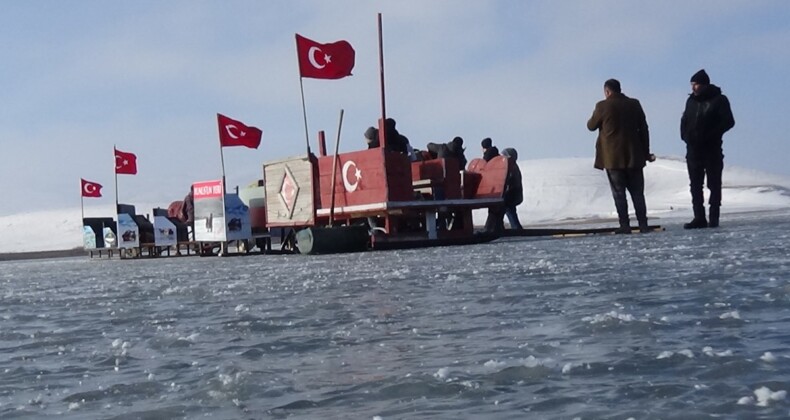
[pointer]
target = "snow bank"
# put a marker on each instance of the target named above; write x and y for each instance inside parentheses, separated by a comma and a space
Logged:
(555, 191)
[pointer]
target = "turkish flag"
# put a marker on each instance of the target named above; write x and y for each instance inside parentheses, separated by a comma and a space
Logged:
(235, 133)
(90, 189)
(125, 163)
(324, 61)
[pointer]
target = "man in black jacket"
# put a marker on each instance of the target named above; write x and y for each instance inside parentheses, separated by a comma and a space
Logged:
(489, 150)
(706, 118)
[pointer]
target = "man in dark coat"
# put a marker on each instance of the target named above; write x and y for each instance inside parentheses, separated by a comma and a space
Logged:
(489, 150)
(705, 120)
(395, 141)
(514, 190)
(188, 211)
(622, 148)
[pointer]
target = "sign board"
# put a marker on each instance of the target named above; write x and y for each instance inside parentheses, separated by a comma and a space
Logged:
(218, 219)
(128, 232)
(110, 240)
(237, 215)
(164, 232)
(88, 238)
(209, 211)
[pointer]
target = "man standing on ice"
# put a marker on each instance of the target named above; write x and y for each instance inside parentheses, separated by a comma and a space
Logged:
(622, 149)
(705, 120)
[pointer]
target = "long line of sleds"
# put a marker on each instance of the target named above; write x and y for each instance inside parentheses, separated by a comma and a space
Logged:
(373, 199)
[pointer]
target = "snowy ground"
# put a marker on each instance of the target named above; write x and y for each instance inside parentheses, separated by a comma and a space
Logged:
(555, 191)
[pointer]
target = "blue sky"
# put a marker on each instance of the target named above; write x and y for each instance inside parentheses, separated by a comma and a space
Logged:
(149, 77)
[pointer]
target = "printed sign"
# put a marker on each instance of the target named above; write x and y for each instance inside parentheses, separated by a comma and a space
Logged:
(209, 211)
(88, 238)
(164, 232)
(128, 232)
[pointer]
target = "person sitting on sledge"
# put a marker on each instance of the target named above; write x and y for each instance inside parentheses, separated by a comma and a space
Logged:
(394, 140)
(489, 150)
(453, 149)
(372, 137)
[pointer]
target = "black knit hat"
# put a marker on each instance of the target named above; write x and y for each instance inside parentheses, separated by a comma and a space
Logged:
(701, 78)
(486, 143)
(371, 134)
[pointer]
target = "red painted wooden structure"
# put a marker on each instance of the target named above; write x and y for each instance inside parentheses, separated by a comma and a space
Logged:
(407, 202)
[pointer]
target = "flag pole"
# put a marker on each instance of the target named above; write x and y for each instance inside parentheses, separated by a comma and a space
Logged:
(222, 160)
(335, 160)
(381, 71)
(82, 204)
(223, 244)
(115, 152)
(301, 89)
(304, 114)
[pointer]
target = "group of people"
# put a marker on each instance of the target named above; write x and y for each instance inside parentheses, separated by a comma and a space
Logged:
(623, 149)
(397, 142)
(454, 149)
(513, 194)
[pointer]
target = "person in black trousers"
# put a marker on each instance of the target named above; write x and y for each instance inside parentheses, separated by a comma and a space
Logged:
(705, 120)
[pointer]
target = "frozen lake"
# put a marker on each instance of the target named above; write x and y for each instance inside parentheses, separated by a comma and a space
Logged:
(676, 324)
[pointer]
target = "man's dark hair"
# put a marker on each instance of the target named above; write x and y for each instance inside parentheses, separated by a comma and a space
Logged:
(613, 85)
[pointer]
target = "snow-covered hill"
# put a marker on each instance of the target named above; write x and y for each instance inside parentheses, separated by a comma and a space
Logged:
(555, 191)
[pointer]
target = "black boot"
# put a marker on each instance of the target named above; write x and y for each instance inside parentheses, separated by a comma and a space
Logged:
(643, 227)
(713, 219)
(699, 218)
(624, 229)
(696, 224)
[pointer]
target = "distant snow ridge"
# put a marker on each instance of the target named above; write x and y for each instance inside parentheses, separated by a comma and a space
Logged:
(555, 191)
(571, 189)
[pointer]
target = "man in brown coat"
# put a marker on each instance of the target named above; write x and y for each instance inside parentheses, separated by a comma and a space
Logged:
(622, 148)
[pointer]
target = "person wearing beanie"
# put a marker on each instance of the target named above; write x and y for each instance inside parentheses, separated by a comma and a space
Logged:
(622, 149)
(706, 118)
(514, 191)
(700, 78)
(489, 150)
(372, 137)
(393, 140)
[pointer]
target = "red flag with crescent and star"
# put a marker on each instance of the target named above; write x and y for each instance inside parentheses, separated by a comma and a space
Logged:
(90, 188)
(324, 61)
(125, 163)
(236, 133)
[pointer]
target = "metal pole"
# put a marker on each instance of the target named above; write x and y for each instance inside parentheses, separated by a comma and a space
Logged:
(335, 160)
(304, 114)
(114, 154)
(381, 70)
(222, 160)
(82, 204)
